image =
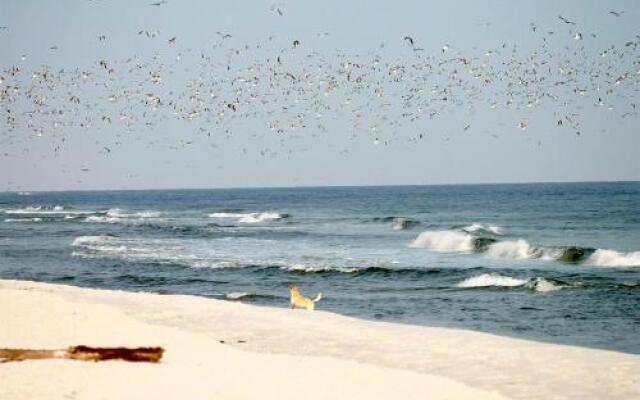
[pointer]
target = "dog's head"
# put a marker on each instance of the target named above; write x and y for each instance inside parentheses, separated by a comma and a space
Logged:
(293, 289)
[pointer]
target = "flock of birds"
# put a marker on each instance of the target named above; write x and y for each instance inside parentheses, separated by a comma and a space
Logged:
(291, 91)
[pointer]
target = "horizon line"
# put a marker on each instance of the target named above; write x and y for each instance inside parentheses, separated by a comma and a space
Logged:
(319, 186)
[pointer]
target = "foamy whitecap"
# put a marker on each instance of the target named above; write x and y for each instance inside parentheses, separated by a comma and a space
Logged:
(477, 227)
(485, 280)
(236, 295)
(519, 249)
(261, 217)
(319, 268)
(92, 240)
(23, 220)
(227, 215)
(46, 210)
(444, 241)
(102, 219)
(612, 258)
(117, 213)
(249, 218)
(542, 285)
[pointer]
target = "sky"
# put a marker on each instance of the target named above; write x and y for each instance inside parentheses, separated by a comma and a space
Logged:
(465, 144)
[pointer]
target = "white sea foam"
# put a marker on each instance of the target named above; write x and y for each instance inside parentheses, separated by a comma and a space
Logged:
(519, 249)
(117, 213)
(444, 241)
(318, 268)
(92, 240)
(249, 218)
(23, 219)
(485, 280)
(102, 219)
(542, 285)
(26, 210)
(227, 215)
(477, 227)
(612, 258)
(46, 210)
(236, 295)
(494, 280)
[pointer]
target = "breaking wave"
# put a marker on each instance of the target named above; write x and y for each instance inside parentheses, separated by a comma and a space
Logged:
(477, 227)
(400, 223)
(451, 241)
(237, 295)
(250, 218)
(612, 258)
(92, 240)
(46, 210)
(519, 249)
(495, 280)
(36, 219)
(444, 241)
(115, 215)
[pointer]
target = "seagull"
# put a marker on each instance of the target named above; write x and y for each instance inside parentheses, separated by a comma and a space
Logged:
(173, 40)
(296, 43)
(275, 7)
(578, 36)
(223, 35)
(566, 21)
(410, 39)
(616, 13)
(158, 3)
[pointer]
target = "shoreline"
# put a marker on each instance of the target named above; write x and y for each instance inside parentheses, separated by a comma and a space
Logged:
(281, 353)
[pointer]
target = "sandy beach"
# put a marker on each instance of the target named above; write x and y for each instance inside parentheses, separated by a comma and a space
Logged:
(229, 350)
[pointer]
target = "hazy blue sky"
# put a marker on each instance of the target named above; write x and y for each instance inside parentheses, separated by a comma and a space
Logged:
(493, 150)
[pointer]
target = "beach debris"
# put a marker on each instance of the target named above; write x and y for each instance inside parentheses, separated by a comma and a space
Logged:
(86, 353)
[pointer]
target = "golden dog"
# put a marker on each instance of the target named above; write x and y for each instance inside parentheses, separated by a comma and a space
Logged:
(298, 300)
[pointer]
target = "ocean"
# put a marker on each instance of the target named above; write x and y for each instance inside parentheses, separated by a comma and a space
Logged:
(556, 262)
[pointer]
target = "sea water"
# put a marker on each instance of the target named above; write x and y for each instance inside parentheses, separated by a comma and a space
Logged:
(551, 262)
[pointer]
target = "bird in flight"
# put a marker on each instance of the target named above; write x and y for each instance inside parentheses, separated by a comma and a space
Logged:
(410, 39)
(158, 3)
(616, 13)
(223, 35)
(566, 21)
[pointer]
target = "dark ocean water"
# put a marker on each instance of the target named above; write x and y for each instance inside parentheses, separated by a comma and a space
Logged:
(550, 262)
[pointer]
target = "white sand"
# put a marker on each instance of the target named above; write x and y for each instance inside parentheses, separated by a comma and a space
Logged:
(288, 354)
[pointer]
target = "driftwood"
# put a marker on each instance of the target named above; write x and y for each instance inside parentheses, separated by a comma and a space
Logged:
(86, 353)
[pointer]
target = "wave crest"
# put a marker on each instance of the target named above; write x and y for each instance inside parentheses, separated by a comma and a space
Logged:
(485, 280)
(494, 280)
(477, 227)
(612, 258)
(519, 249)
(446, 241)
(250, 218)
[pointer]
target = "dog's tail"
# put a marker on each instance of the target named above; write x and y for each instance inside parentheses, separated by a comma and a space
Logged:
(317, 298)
